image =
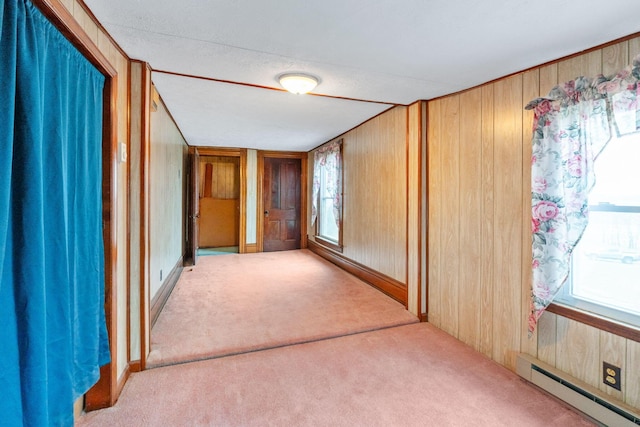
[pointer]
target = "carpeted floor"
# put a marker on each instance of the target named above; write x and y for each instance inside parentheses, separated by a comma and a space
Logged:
(238, 303)
(411, 375)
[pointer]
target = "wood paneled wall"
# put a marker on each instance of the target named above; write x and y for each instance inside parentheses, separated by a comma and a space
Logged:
(479, 154)
(375, 194)
(221, 179)
(168, 151)
(384, 220)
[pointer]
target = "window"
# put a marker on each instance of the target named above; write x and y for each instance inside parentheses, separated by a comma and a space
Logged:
(328, 224)
(605, 273)
(327, 195)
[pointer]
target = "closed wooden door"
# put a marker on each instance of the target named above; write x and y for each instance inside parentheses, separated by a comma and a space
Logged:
(281, 194)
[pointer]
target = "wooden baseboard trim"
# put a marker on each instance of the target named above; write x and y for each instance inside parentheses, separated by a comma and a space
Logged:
(135, 366)
(424, 317)
(251, 248)
(123, 379)
(158, 302)
(392, 287)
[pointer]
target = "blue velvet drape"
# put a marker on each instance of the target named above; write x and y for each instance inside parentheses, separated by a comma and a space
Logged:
(52, 329)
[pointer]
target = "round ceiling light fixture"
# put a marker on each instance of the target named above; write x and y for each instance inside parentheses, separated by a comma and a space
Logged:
(298, 83)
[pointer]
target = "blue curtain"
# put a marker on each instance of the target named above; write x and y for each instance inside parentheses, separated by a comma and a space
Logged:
(53, 335)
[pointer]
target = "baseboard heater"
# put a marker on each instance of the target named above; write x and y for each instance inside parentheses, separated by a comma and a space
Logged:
(585, 398)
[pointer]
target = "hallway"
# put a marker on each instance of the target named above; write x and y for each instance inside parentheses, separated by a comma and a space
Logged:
(289, 339)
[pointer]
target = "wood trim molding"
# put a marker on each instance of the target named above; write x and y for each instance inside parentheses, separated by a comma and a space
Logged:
(424, 210)
(144, 207)
(64, 21)
(220, 152)
(242, 238)
(123, 379)
(259, 202)
(382, 282)
(135, 366)
(161, 297)
(595, 321)
(128, 201)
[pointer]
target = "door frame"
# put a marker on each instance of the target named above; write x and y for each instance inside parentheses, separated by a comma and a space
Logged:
(225, 152)
(191, 217)
(304, 200)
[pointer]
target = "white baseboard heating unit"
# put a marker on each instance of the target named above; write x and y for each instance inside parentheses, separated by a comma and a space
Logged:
(587, 399)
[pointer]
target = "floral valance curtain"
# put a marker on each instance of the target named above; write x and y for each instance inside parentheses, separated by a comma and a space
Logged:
(328, 157)
(572, 125)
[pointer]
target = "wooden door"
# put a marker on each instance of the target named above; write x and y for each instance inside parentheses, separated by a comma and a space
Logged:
(193, 217)
(281, 201)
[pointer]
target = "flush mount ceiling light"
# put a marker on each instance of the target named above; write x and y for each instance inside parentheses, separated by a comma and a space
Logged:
(298, 83)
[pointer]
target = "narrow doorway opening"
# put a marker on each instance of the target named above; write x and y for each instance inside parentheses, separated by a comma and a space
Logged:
(219, 202)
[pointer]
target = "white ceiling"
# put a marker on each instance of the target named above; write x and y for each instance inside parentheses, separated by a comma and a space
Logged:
(390, 51)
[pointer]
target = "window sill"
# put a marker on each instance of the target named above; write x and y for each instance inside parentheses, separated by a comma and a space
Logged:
(328, 244)
(621, 329)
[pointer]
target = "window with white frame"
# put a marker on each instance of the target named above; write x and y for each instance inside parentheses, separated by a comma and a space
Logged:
(328, 223)
(326, 209)
(605, 273)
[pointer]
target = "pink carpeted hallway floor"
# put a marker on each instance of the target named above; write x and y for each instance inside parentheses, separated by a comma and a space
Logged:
(411, 375)
(231, 304)
(288, 339)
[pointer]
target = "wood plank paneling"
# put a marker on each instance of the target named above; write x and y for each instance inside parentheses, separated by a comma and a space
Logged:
(589, 65)
(503, 277)
(487, 217)
(530, 90)
(548, 79)
(450, 206)
(632, 377)
(634, 48)
(470, 152)
(508, 225)
(87, 24)
(435, 195)
(375, 194)
(615, 58)
(547, 338)
(577, 350)
(68, 4)
(220, 176)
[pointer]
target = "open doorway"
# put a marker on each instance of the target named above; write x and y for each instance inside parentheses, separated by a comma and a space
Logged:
(216, 202)
(219, 201)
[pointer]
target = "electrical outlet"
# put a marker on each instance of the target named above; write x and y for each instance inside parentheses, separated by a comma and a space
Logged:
(612, 376)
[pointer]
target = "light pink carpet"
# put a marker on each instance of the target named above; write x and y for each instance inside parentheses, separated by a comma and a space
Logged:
(412, 375)
(230, 304)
